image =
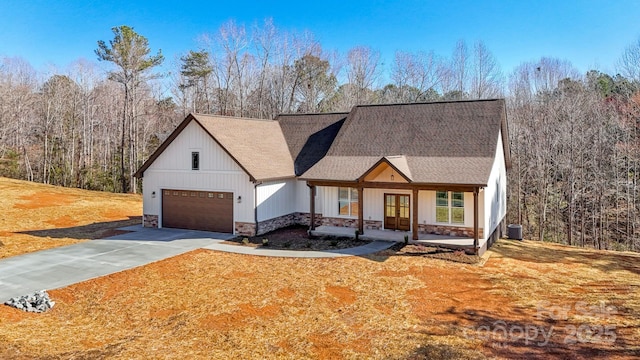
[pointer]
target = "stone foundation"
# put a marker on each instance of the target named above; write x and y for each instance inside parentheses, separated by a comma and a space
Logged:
(275, 223)
(340, 222)
(372, 225)
(245, 229)
(448, 230)
(296, 218)
(150, 221)
(305, 219)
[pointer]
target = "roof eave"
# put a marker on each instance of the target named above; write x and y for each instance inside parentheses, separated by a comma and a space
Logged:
(292, 176)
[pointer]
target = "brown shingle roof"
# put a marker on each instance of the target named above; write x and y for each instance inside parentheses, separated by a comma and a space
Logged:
(258, 146)
(443, 142)
(434, 143)
(309, 136)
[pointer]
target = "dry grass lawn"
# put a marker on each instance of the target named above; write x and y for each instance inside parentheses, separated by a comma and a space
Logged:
(37, 216)
(213, 305)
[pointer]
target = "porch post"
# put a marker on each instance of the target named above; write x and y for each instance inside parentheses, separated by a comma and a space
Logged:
(360, 210)
(475, 220)
(312, 210)
(415, 214)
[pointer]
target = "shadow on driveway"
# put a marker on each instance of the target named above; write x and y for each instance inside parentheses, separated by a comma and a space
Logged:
(91, 231)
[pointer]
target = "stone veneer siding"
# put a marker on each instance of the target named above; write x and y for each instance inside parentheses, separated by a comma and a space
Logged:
(246, 229)
(340, 222)
(150, 221)
(448, 230)
(297, 218)
(372, 225)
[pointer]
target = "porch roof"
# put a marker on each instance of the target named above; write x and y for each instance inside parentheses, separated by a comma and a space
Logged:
(419, 170)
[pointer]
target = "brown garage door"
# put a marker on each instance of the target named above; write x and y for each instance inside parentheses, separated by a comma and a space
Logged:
(197, 210)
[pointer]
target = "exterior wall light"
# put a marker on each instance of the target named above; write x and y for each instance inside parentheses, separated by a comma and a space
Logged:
(239, 199)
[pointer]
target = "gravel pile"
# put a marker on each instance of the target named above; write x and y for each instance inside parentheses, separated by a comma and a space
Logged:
(37, 302)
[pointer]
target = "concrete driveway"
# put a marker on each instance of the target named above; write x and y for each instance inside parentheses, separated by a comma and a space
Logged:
(63, 266)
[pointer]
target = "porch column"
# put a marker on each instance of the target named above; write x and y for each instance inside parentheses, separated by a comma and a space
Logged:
(415, 214)
(312, 210)
(475, 220)
(361, 210)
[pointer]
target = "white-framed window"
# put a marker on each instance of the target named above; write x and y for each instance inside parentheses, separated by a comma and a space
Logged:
(450, 207)
(348, 201)
(195, 160)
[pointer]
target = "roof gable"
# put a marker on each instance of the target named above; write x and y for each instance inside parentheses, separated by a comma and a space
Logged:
(257, 146)
(395, 167)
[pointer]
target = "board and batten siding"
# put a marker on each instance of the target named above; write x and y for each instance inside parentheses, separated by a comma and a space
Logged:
(303, 197)
(276, 198)
(218, 172)
(495, 194)
(284, 197)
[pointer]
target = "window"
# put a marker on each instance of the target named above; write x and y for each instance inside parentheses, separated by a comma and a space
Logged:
(195, 160)
(348, 201)
(442, 206)
(450, 207)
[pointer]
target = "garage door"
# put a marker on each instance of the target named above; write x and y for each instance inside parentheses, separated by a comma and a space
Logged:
(197, 210)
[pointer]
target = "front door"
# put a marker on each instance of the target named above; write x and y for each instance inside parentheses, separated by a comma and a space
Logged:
(396, 212)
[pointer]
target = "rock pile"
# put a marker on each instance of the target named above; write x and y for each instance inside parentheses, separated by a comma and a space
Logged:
(37, 302)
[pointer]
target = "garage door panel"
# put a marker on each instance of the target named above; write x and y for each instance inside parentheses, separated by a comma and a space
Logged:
(197, 210)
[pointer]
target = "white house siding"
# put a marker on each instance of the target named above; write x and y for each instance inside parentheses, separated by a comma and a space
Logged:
(303, 197)
(495, 194)
(218, 172)
(329, 197)
(276, 198)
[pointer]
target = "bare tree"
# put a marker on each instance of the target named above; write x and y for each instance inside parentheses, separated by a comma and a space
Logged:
(629, 62)
(486, 76)
(362, 72)
(459, 71)
(416, 76)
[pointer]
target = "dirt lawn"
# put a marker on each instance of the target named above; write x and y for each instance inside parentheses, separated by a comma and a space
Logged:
(207, 304)
(529, 300)
(36, 216)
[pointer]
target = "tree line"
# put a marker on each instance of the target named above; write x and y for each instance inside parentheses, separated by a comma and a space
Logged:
(574, 137)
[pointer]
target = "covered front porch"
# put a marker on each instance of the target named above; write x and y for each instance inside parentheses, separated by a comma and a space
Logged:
(444, 241)
(406, 211)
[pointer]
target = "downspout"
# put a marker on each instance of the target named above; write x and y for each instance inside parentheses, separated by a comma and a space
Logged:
(476, 236)
(255, 204)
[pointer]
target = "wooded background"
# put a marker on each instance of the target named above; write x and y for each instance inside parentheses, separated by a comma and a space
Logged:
(574, 137)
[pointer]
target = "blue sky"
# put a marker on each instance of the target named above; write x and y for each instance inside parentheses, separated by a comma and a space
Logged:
(590, 34)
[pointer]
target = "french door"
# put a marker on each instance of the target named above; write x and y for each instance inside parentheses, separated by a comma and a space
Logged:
(397, 212)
